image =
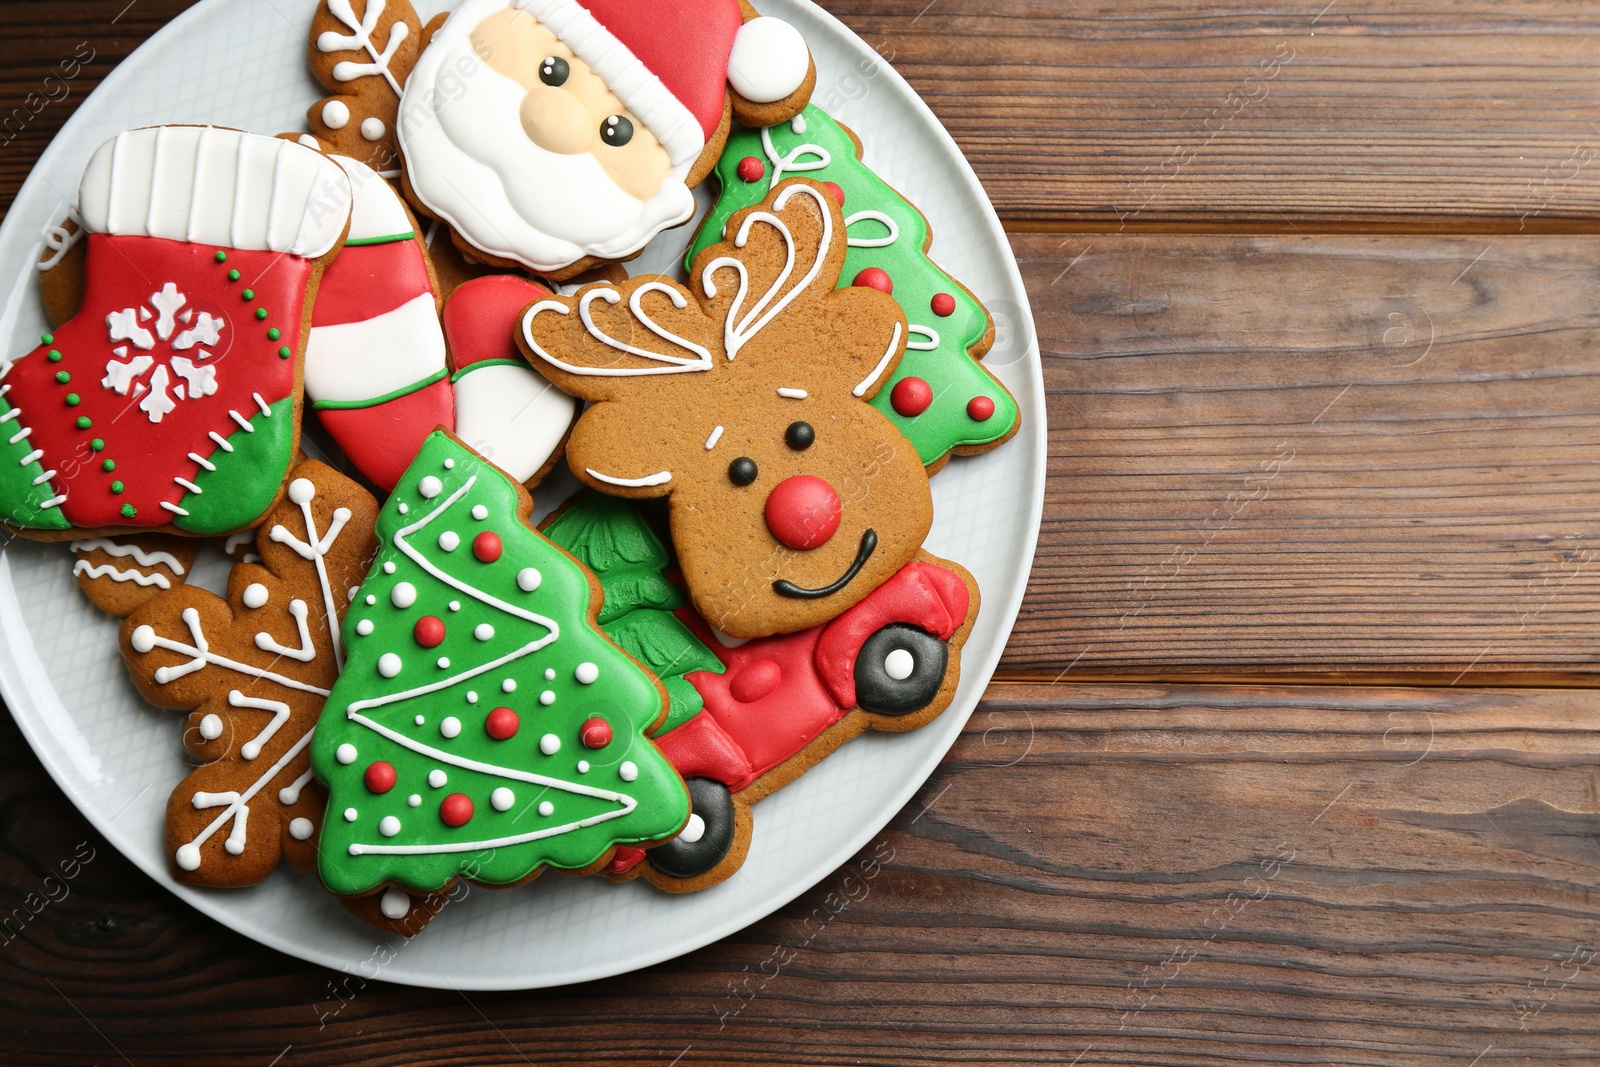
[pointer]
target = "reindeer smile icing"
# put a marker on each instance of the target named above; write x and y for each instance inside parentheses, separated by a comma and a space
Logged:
(802, 498)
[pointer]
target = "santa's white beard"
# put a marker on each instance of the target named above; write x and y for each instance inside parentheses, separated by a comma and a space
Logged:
(468, 159)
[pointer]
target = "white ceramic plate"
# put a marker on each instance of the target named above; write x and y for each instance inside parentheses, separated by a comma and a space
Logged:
(243, 65)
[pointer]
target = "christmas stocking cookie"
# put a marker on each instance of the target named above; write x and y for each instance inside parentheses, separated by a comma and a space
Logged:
(940, 396)
(484, 726)
(171, 400)
(375, 361)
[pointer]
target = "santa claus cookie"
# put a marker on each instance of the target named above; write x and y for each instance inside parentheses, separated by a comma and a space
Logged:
(252, 671)
(171, 400)
(744, 401)
(555, 134)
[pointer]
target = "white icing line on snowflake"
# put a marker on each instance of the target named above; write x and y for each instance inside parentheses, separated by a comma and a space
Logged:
(866, 383)
(477, 594)
(361, 38)
(628, 803)
(280, 715)
(144, 638)
(307, 651)
(302, 491)
(122, 551)
(107, 570)
(238, 808)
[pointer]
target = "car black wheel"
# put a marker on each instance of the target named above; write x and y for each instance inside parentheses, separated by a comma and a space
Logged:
(900, 669)
(706, 839)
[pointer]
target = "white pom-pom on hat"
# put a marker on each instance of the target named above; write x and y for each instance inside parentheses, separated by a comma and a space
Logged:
(769, 61)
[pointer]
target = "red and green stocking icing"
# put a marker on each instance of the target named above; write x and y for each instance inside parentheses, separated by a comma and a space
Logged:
(940, 397)
(168, 399)
(483, 727)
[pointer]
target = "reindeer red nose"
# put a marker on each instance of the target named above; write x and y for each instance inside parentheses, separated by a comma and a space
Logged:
(803, 511)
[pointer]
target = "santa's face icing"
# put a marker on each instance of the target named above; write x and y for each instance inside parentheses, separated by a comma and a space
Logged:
(512, 138)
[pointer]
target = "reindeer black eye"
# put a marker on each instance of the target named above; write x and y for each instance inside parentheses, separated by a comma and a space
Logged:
(799, 436)
(742, 471)
(554, 71)
(616, 131)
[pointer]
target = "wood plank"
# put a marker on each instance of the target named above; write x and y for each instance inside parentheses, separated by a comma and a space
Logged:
(1090, 115)
(1133, 874)
(1335, 457)
(1098, 113)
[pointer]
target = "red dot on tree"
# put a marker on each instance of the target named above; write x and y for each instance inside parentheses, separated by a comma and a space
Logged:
(429, 631)
(502, 724)
(380, 777)
(836, 192)
(595, 733)
(486, 546)
(456, 809)
(911, 397)
(979, 408)
(875, 278)
(751, 169)
(943, 304)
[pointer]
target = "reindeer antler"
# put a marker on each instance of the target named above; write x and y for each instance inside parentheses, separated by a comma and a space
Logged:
(789, 250)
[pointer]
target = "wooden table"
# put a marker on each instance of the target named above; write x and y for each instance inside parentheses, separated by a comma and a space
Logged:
(1293, 756)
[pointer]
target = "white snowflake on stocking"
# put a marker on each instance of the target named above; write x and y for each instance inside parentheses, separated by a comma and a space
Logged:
(162, 378)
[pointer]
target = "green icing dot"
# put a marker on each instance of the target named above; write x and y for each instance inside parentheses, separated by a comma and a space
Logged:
(47, 338)
(248, 294)
(222, 257)
(129, 511)
(84, 422)
(284, 353)
(261, 313)
(54, 356)
(73, 400)
(233, 275)
(63, 377)
(116, 487)
(97, 444)
(273, 334)
(109, 465)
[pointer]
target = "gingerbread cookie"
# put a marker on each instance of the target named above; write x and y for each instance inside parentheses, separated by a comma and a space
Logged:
(361, 51)
(484, 727)
(748, 717)
(940, 397)
(252, 671)
(61, 256)
(553, 135)
(744, 401)
(172, 399)
(119, 574)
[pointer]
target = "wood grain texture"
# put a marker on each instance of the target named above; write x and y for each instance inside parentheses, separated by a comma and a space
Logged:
(1321, 876)
(1091, 114)
(1097, 112)
(1345, 457)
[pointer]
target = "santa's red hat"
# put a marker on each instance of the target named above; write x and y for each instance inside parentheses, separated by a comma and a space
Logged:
(670, 61)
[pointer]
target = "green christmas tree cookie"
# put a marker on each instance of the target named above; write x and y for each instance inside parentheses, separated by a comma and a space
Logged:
(940, 397)
(483, 727)
(611, 538)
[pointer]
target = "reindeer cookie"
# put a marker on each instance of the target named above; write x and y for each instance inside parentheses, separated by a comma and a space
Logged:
(744, 402)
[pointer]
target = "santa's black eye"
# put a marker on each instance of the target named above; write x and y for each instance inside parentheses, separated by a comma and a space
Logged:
(616, 131)
(554, 71)
(742, 471)
(799, 436)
